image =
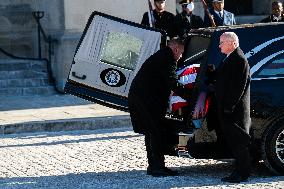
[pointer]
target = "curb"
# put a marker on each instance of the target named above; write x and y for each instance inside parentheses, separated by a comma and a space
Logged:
(68, 125)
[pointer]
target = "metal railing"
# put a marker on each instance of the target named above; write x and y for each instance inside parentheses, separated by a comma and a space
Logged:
(47, 39)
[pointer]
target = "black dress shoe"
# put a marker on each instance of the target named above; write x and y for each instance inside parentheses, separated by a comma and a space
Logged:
(161, 172)
(149, 170)
(235, 178)
(171, 172)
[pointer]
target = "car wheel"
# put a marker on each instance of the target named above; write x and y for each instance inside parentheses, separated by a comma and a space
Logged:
(273, 147)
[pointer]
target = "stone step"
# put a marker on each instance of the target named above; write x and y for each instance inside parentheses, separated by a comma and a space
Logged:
(22, 74)
(33, 82)
(14, 65)
(28, 91)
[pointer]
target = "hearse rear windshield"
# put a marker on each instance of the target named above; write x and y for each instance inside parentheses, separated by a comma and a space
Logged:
(195, 48)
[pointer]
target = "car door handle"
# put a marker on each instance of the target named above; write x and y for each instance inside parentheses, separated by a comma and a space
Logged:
(79, 77)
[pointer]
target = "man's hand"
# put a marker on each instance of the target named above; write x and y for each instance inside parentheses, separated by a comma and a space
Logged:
(199, 110)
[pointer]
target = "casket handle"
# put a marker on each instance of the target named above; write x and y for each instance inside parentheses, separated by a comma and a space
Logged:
(79, 77)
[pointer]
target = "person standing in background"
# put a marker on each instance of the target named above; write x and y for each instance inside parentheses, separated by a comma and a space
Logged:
(186, 20)
(221, 17)
(162, 19)
(277, 13)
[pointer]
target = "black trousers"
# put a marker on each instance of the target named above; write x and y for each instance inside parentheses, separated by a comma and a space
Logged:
(238, 141)
(155, 155)
(149, 122)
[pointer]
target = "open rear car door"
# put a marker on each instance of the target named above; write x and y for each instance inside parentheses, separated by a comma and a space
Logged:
(108, 56)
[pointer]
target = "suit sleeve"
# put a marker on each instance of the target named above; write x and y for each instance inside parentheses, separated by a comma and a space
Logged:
(237, 84)
(200, 22)
(179, 29)
(171, 25)
(145, 19)
(207, 22)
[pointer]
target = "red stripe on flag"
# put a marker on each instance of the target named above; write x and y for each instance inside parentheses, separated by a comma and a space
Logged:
(178, 105)
(190, 71)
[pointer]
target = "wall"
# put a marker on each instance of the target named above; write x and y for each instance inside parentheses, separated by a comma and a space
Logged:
(18, 27)
(77, 12)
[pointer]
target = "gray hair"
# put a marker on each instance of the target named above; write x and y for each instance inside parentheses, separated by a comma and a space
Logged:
(175, 41)
(232, 36)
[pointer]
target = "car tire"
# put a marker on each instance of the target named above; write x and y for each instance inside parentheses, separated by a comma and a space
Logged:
(273, 147)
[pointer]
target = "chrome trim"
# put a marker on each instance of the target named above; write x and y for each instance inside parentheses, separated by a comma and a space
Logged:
(279, 147)
(270, 78)
(193, 56)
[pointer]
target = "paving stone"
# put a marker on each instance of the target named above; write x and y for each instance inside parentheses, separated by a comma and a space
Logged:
(106, 158)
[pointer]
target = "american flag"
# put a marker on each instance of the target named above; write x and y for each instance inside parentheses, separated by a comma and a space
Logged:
(186, 76)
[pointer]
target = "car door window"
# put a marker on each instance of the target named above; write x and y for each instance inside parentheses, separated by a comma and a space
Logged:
(121, 50)
(108, 56)
(195, 49)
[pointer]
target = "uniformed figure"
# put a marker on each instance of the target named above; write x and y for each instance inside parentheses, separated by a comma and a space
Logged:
(233, 104)
(277, 13)
(163, 19)
(221, 17)
(148, 101)
(186, 20)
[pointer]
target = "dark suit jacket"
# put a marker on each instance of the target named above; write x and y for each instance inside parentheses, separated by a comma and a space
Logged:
(233, 88)
(270, 19)
(153, 84)
(183, 26)
(228, 19)
(164, 21)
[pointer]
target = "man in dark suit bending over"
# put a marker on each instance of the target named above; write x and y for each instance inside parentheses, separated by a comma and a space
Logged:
(148, 101)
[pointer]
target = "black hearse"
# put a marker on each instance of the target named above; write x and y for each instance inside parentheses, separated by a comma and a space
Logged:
(111, 51)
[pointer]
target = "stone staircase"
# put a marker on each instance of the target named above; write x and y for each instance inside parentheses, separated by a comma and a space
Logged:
(24, 78)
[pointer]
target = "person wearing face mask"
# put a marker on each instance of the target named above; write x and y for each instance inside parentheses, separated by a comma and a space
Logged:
(277, 13)
(220, 16)
(162, 19)
(186, 20)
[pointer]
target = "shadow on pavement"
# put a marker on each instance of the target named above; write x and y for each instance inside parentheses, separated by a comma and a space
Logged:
(40, 135)
(200, 176)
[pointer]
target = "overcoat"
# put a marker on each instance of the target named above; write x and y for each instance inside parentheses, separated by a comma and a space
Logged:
(150, 90)
(233, 95)
(233, 104)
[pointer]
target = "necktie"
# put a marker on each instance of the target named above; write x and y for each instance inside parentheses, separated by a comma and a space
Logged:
(220, 13)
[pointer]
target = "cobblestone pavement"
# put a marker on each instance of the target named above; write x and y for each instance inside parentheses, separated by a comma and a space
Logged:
(110, 158)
